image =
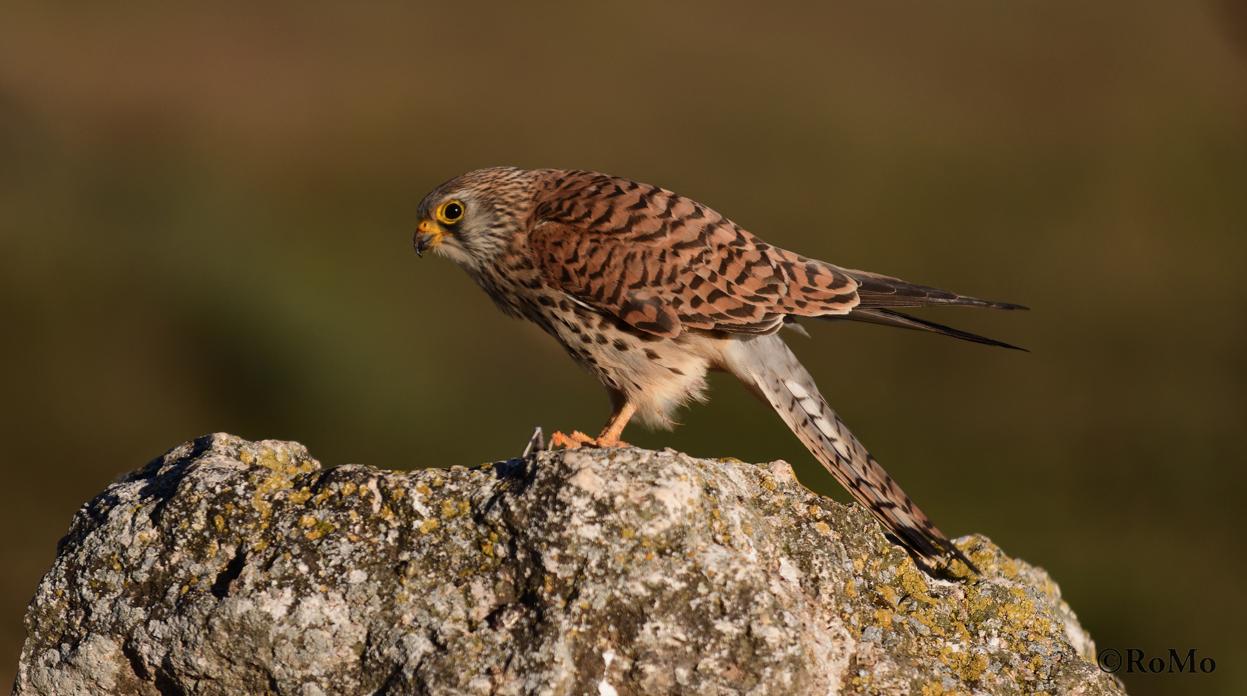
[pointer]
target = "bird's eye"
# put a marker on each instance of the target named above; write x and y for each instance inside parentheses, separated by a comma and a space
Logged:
(450, 212)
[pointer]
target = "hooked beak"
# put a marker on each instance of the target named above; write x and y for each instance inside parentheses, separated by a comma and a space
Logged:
(428, 235)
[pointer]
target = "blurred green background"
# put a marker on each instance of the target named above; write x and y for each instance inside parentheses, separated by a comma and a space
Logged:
(205, 222)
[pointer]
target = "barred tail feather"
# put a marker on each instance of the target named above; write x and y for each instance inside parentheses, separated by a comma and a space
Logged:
(765, 364)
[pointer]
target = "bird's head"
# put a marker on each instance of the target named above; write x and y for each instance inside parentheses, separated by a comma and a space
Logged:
(471, 217)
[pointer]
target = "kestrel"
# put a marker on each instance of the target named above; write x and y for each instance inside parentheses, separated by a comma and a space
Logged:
(649, 290)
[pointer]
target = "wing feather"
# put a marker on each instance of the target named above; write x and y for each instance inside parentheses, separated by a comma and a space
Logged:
(664, 263)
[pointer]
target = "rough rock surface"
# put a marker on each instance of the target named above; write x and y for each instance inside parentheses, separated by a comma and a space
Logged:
(231, 567)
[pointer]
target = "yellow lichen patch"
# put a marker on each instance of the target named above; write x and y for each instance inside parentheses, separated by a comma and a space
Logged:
(814, 511)
(927, 617)
(937, 689)
(348, 488)
(1021, 614)
(768, 483)
(260, 499)
(989, 559)
(968, 667)
(850, 588)
(449, 509)
(914, 584)
(487, 545)
(321, 529)
(1036, 663)
(1009, 568)
(218, 521)
(261, 506)
(627, 532)
(300, 496)
(822, 528)
(977, 603)
(887, 595)
(959, 628)
(883, 617)
(423, 489)
(270, 459)
(429, 525)
(957, 568)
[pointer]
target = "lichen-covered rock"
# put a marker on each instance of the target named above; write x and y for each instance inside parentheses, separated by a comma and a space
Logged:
(231, 567)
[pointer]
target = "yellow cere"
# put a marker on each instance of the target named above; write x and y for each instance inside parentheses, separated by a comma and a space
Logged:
(432, 228)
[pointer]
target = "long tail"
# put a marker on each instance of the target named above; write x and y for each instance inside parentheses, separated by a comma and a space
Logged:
(891, 317)
(765, 364)
(878, 290)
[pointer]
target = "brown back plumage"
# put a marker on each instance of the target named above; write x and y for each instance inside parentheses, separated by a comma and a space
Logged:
(664, 263)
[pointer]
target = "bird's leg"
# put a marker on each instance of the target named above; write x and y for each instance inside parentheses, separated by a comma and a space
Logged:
(622, 411)
(609, 437)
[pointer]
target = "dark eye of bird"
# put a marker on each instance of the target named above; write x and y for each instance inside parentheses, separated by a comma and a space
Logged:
(453, 211)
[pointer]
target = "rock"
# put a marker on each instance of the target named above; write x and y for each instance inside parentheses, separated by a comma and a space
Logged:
(231, 567)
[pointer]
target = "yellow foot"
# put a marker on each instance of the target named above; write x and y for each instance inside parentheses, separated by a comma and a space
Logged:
(578, 439)
(575, 440)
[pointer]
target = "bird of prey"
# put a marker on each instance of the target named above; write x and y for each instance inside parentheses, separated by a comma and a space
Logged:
(649, 290)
